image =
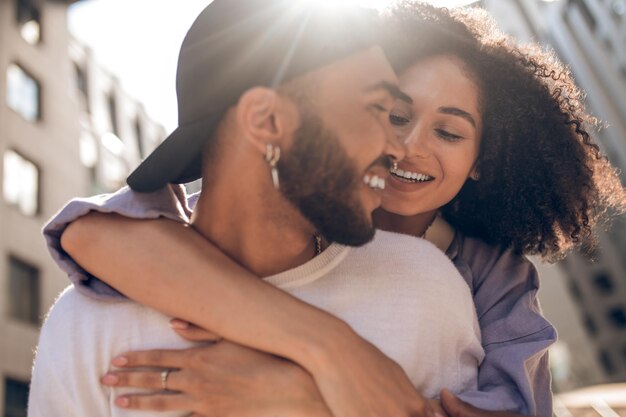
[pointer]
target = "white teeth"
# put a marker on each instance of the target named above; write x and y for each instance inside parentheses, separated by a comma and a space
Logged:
(408, 175)
(374, 181)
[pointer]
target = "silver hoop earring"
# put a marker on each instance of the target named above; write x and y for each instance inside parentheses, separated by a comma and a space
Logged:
(272, 156)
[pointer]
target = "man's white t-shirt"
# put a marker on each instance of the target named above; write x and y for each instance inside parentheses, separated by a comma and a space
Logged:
(400, 293)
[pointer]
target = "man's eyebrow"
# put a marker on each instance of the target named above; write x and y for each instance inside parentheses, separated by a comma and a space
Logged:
(393, 91)
(455, 111)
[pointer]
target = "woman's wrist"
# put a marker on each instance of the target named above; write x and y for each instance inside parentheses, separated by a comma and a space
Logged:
(325, 344)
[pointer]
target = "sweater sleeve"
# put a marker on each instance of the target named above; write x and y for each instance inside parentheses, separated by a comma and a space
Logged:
(169, 202)
(515, 373)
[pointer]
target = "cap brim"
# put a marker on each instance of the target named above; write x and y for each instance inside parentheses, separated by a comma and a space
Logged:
(177, 160)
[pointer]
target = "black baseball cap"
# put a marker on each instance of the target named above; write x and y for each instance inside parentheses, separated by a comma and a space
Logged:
(234, 45)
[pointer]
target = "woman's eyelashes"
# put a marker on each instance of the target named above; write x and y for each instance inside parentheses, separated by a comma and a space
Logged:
(399, 120)
(445, 135)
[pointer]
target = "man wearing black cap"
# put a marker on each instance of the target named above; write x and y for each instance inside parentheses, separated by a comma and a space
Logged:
(283, 111)
(252, 54)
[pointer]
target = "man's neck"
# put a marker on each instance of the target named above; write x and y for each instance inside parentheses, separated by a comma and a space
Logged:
(261, 232)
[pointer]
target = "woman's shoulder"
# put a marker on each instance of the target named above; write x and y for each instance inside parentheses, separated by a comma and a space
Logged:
(479, 261)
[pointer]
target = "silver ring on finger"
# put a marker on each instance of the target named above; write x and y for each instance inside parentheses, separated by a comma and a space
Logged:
(164, 375)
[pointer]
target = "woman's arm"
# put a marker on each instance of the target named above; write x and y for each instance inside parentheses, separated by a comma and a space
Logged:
(170, 267)
(514, 374)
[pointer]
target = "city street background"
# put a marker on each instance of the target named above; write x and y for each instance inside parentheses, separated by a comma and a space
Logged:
(87, 91)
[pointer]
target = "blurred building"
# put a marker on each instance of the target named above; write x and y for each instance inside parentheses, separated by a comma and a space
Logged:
(66, 129)
(586, 301)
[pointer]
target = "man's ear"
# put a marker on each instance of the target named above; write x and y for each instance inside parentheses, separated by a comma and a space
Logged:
(266, 117)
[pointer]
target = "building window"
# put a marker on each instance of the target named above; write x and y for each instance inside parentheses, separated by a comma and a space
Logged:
(15, 398)
(23, 291)
(590, 20)
(606, 362)
(113, 169)
(82, 85)
(139, 137)
(590, 325)
(617, 317)
(112, 103)
(603, 283)
(20, 183)
(23, 93)
(88, 149)
(29, 20)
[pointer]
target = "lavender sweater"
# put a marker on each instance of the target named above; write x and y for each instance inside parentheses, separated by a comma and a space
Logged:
(514, 374)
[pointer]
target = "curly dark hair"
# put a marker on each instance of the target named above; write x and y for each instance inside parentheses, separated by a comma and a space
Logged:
(543, 182)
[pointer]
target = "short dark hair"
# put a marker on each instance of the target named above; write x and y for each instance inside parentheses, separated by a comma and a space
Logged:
(543, 182)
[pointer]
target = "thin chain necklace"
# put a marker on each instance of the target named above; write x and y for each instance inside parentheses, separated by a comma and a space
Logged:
(318, 244)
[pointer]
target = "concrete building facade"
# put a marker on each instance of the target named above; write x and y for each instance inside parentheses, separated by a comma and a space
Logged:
(66, 129)
(585, 300)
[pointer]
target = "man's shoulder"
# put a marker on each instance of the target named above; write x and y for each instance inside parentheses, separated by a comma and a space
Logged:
(74, 314)
(401, 256)
(405, 248)
(72, 303)
(88, 327)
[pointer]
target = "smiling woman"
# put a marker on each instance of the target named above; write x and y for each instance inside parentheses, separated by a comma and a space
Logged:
(500, 133)
(441, 130)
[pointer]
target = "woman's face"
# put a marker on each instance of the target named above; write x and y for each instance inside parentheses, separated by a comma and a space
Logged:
(441, 132)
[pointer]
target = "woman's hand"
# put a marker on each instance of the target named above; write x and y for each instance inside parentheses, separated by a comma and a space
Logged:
(223, 379)
(355, 379)
(192, 332)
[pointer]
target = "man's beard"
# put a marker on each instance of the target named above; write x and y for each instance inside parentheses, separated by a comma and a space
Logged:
(319, 179)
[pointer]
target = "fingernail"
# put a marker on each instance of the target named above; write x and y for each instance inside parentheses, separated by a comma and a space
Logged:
(179, 324)
(110, 379)
(438, 414)
(119, 360)
(122, 402)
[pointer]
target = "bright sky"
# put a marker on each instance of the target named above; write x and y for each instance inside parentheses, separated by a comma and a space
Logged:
(138, 40)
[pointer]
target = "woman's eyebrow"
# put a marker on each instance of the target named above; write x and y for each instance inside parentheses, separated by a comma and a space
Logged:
(455, 111)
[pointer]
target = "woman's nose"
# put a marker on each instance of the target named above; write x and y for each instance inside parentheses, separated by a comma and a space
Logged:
(416, 144)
